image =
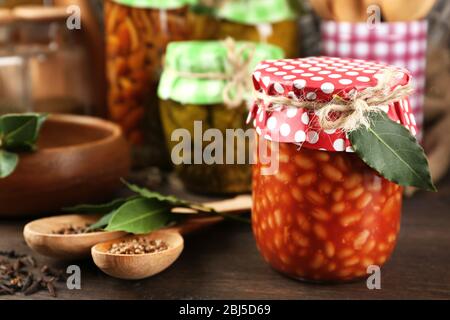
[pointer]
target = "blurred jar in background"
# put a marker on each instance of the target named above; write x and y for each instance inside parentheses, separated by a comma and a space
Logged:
(192, 93)
(6, 27)
(56, 60)
(137, 33)
(13, 78)
(271, 21)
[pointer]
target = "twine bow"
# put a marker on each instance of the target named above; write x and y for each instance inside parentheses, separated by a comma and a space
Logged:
(347, 115)
(237, 75)
(238, 80)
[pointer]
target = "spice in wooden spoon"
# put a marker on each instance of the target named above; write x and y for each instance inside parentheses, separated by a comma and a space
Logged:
(140, 266)
(72, 230)
(138, 246)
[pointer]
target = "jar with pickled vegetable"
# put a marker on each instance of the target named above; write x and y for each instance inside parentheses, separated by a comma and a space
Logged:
(271, 21)
(204, 86)
(137, 33)
(341, 134)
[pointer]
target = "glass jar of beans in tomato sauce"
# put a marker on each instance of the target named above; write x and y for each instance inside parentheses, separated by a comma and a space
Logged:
(324, 215)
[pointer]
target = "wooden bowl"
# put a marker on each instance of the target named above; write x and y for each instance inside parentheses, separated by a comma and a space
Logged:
(79, 160)
(40, 236)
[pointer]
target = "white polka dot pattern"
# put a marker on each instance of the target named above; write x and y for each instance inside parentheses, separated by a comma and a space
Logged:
(402, 44)
(317, 79)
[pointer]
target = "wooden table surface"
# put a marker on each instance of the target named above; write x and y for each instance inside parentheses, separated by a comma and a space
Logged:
(223, 263)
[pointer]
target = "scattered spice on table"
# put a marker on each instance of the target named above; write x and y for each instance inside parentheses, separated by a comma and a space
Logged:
(21, 273)
(138, 246)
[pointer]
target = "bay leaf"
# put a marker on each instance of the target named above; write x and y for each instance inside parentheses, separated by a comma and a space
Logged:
(391, 150)
(8, 163)
(141, 216)
(100, 208)
(170, 200)
(20, 131)
(143, 192)
(102, 222)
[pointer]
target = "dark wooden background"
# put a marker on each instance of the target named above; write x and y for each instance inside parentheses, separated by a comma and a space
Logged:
(223, 263)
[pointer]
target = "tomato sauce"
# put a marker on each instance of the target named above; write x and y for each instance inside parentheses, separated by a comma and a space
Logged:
(324, 216)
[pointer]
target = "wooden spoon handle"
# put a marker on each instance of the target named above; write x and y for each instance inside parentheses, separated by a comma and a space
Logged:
(235, 205)
(322, 8)
(348, 10)
(403, 10)
(238, 204)
(193, 225)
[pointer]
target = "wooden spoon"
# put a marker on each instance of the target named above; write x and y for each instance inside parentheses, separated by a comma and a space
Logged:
(41, 237)
(134, 267)
(406, 10)
(322, 8)
(349, 10)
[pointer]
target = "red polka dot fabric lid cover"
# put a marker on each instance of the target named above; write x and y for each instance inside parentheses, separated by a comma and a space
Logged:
(317, 79)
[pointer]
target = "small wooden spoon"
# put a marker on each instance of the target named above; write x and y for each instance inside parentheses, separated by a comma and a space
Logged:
(41, 237)
(134, 267)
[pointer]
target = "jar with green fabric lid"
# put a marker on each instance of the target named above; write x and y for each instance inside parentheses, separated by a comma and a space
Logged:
(206, 85)
(271, 21)
(137, 33)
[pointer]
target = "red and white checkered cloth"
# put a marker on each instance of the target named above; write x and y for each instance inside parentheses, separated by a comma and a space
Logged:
(402, 44)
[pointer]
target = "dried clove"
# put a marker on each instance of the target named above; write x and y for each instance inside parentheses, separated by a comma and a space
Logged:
(11, 254)
(21, 274)
(29, 260)
(17, 265)
(27, 283)
(51, 289)
(44, 269)
(6, 289)
(33, 288)
(58, 275)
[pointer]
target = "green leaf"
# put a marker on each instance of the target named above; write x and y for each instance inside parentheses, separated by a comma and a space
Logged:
(391, 150)
(8, 163)
(20, 131)
(103, 222)
(170, 200)
(143, 192)
(141, 216)
(100, 208)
